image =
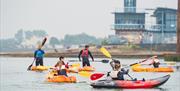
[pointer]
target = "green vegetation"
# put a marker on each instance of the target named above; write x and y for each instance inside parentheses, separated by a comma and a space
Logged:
(175, 58)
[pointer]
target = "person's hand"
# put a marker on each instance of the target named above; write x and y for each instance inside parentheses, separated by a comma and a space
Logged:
(108, 74)
(127, 71)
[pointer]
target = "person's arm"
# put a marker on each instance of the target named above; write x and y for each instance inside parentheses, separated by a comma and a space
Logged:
(90, 55)
(152, 61)
(43, 52)
(35, 54)
(79, 56)
(112, 64)
(56, 64)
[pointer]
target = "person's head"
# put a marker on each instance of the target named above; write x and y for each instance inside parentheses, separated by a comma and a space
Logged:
(86, 46)
(61, 58)
(117, 64)
(39, 47)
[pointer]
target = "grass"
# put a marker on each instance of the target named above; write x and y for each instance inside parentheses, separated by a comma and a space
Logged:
(175, 58)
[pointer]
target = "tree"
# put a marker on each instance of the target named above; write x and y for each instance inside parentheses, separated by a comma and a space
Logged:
(39, 33)
(104, 41)
(19, 36)
(54, 41)
(28, 34)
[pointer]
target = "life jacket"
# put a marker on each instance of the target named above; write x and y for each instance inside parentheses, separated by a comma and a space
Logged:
(39, 54)
(84, 53)
(113, 74)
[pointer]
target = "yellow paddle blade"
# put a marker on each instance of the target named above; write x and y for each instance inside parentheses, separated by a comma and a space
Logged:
(76, 65)
(105, 52)
(84, 74)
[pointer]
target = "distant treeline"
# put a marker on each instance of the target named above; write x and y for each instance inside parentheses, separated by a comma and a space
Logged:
(28, 39)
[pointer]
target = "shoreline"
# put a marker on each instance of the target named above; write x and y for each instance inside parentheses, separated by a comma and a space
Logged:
(96, 54)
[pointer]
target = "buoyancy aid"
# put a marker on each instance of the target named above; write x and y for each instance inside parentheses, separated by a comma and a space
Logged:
(84, 53)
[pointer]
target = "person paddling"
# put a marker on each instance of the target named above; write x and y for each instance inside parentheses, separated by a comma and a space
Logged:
(84, 53)
(38, 56)
(117, 73)
(155, 62)
(61, 67)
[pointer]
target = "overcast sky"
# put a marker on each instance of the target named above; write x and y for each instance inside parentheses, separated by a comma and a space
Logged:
(60, 17)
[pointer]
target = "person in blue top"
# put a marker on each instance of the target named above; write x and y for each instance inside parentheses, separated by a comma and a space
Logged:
(38, 55)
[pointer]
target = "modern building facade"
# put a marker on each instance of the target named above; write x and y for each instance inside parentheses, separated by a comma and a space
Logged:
(164, 31)
(131, 25)
(130, 6)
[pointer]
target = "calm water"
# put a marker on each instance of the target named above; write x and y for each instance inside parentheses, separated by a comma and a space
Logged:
(15, 77)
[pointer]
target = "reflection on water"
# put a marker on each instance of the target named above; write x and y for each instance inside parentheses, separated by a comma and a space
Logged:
(15, 77)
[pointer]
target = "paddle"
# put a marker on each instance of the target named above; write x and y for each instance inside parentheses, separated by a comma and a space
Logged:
(96, 76)
(43, 42)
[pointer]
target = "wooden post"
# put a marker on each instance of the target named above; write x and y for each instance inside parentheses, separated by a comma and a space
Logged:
(178, 28)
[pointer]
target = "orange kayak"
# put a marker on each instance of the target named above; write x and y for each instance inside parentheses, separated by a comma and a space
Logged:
(62, 79)
(53, 77)
(138, 68)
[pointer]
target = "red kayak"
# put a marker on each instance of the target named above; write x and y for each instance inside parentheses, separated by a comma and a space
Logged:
(151, 83)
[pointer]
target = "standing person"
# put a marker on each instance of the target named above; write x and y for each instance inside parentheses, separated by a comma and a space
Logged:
(84, 53)
(155, 62)
(61, 67)
(38, 55)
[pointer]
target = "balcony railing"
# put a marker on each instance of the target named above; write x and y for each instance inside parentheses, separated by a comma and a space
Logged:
(128, 26)
(156, 27)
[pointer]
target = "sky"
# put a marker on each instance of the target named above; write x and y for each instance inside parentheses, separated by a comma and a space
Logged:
(61, 17)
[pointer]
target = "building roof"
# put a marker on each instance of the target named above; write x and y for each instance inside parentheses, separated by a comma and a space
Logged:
(129, 13)
(165, 10)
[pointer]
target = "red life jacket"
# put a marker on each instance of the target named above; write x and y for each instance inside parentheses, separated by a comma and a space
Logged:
(84, 53)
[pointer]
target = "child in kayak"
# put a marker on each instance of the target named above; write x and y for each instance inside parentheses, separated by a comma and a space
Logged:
(117, 73)
(61, 67)
(155, 62)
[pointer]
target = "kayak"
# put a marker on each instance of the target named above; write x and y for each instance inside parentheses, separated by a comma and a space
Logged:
(87, 68)
(138, 68)
(62, 79)
(39, 68)
(151, 83)
(53, 77)
(73, 68)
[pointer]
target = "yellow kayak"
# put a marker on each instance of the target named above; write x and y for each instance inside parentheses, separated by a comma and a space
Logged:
(87, 68)
(39, 68)
(73, 68)
(53, 77)
(139, 68)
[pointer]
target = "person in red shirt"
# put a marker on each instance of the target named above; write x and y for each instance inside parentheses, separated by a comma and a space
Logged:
(84, 54)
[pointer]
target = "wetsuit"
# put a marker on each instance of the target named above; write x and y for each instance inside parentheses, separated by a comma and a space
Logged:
(38, 55)
(85, 57)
